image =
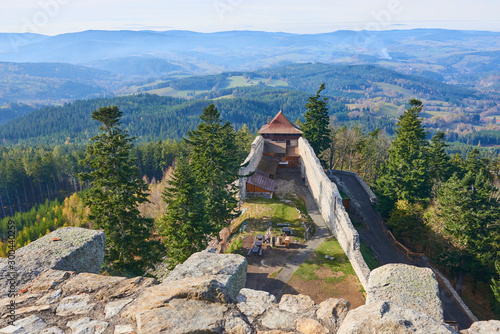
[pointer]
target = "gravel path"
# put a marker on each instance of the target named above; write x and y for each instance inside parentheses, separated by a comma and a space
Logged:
(387, 252)
(275, 286)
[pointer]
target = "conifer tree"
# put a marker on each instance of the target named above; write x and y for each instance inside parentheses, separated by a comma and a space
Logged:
(439, 161)
(215, 164)
(184, 225)
(115, 192)
(315, 128)
(405, 176)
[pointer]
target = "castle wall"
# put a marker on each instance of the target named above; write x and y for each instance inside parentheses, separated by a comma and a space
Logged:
(251, 164)
(329, 201)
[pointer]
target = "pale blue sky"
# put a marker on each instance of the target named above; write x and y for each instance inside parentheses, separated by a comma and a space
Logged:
(59, 16)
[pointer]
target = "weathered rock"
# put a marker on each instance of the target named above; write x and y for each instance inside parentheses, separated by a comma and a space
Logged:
(31, 324)
(50, 298)
(311, 326)
(87, 325)
(78, 250)
(408, 286)
(124, 329)
(86, 282)
(275, 331)
(49, 280)
(297, 304)
(77, 304)
(387, 317)
(254, 303)
(52, 330)
(236, 325)
(484, 327)
(276, 319)
(31, 309)
(333, 311)
(125, 288)
(182, 316)
(203, 288)
(228, 269)
(113, 308)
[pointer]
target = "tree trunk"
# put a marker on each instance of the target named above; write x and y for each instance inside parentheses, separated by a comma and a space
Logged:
(41, 193)
(33, 192)
(10, 203)
(26, 197)
(3, 206)
(19, 208)
(48, 191)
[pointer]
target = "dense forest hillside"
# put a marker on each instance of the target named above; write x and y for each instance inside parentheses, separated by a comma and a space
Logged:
(150, 117)
(366, 95)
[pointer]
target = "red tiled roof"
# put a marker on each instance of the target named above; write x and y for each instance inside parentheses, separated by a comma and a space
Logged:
(279, 124)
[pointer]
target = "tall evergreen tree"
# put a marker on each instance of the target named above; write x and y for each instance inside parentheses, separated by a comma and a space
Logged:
(404, 176)
(471, 215)
(439, 161)
(184, 225)
(214, 161)
(315, 128)
(115, 192)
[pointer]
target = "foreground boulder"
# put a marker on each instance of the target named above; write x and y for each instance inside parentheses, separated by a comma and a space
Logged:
(408, 286)
(387, 317)
(68, 248)
(228, 269)
(206, 294)
(483, 327)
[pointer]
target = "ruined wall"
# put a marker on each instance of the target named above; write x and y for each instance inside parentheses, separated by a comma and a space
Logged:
(329, 201)
(251, 164)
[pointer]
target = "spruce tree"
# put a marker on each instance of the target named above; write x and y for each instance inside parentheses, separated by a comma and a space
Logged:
(315, 128)
(115, 192)
(471, 214)
(215, 164)
(405, 176)
(184, 226)
(439, 162)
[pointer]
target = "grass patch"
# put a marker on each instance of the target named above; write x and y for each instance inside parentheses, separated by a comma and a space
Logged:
(264, 211)
(235, 246)
(370, 259)
(317, 261)
(273, 275)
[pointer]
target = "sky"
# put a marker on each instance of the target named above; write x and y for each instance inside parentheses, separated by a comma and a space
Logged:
(52, 17)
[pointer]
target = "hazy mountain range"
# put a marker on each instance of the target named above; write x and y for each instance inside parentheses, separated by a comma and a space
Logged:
(41, 70)
(152, 53)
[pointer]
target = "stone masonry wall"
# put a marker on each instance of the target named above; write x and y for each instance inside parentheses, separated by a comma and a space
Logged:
(252, 161)
(329, 201)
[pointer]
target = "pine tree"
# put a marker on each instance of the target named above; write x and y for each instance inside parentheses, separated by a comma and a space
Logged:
(404, 176)
(184, 225)
(315, 128)
(214, 162)
(468, 208)
(115, 192)
(439, 162)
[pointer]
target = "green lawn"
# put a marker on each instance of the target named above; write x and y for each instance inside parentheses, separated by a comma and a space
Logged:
(261, 212)
(317, 260)
(370, 259)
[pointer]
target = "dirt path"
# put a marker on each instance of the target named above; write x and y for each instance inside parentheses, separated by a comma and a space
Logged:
(276, 285)
(387, 252)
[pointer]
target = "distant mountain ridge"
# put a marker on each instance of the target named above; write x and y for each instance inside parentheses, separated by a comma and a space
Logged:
(204, 53)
